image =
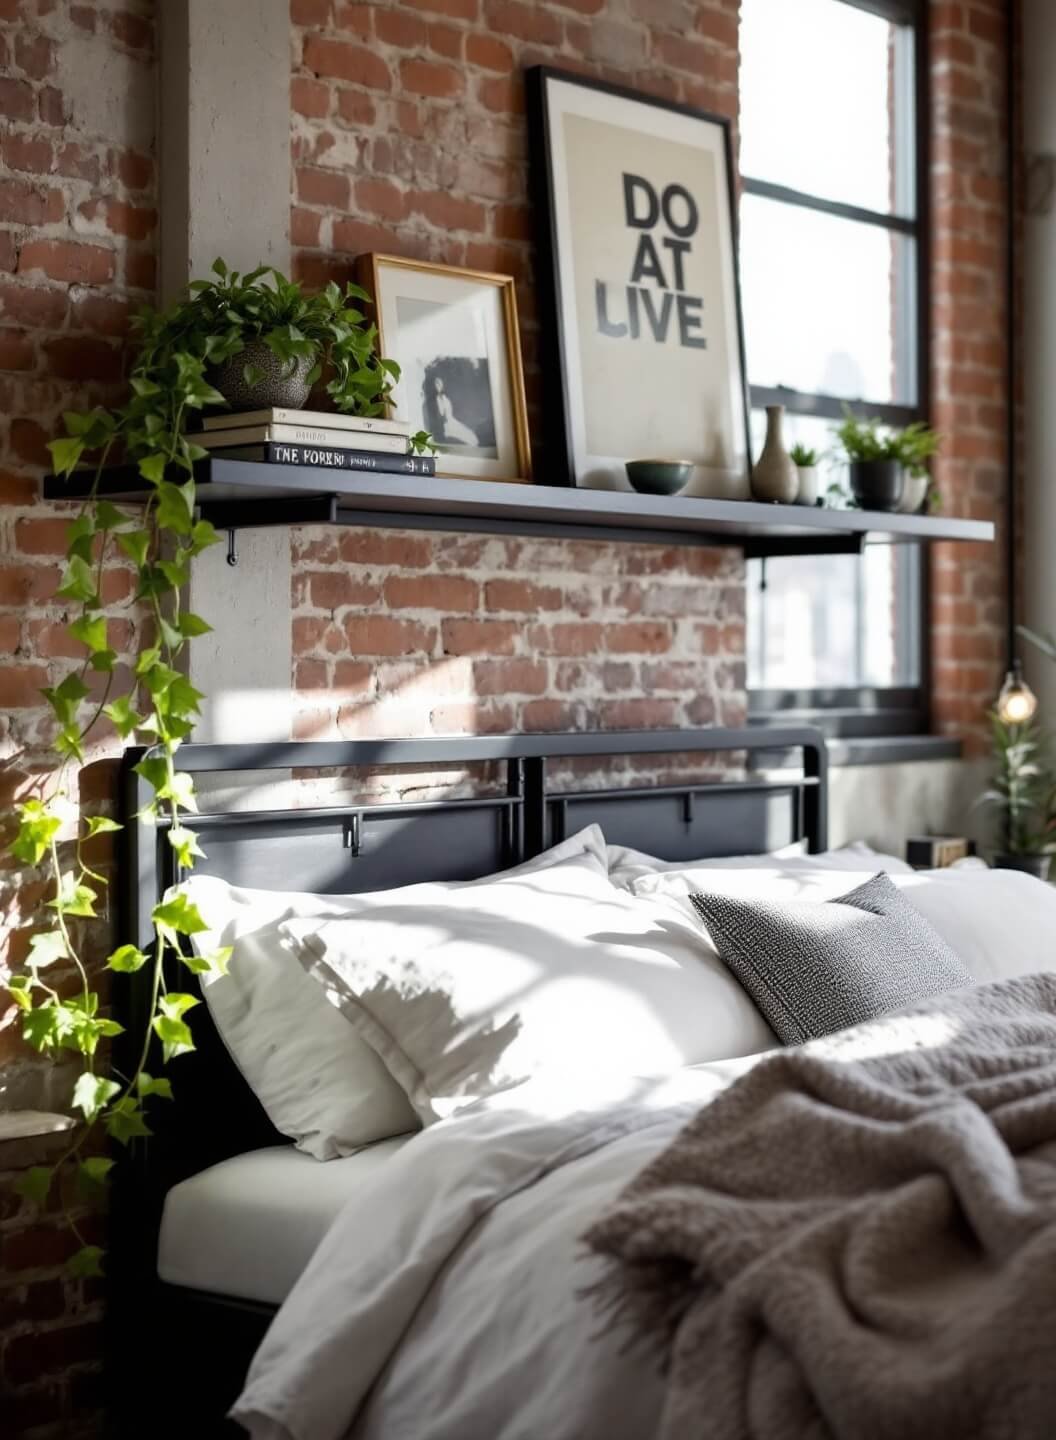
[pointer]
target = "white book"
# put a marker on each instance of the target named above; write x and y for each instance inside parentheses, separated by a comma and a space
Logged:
(300, 435)
(311, 419)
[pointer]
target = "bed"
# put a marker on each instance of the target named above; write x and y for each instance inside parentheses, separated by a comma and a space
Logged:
(371, 847)
(474, 1279)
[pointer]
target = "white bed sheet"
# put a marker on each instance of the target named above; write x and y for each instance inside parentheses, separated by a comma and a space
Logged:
(248, 1226)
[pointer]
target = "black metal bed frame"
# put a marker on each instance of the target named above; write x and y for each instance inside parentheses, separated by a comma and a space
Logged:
(361, 847)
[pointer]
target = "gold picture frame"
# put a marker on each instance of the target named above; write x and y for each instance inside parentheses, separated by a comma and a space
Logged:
(447, 343)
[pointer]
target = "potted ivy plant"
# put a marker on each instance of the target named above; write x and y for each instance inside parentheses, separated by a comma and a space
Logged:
(216, 336)
(881, 460)
(1023, 789)
(807, 463)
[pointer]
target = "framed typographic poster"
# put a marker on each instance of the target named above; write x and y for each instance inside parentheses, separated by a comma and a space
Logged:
(642, 351)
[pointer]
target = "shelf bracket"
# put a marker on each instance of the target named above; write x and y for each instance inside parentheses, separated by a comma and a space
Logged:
(232, 548)
(259, 514)
(767, 547)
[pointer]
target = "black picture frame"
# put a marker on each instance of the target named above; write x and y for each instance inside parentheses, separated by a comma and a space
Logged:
(559, 465)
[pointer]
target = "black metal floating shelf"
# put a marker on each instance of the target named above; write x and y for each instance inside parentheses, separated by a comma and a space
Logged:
(247, 494)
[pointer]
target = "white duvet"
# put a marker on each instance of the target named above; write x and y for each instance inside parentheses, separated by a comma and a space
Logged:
(446, 1301)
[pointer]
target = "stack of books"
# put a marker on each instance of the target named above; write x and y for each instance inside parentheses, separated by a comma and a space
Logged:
(311, 437)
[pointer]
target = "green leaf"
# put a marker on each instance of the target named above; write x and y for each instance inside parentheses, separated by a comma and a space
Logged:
(185, 846)
(177, 916)
(101, 825)
(176, 507)
(78, 582)
(90, 630)
(18, 987)
(175, 1036)
(121, 715)
(46, 1025)
(126, 959)
(252, 375)
(86, 1264)
(202, 536)
(175, 1005)
(152, 468)
(35, 1184)
(46, 948)
(215, 963)
(74, 897)
(92, 1093)
(146, 1085)
(65, 698)
(65, 454)
(219, 268)
(136, 545)
(124, 1121)
(39, 823)
(109, 517)
(191, 625)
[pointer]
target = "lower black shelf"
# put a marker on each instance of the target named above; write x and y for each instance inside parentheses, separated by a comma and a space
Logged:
(245, 494)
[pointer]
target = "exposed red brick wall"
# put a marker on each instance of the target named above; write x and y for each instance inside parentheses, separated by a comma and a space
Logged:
(969, 360)
(409, 136)
(77, 239)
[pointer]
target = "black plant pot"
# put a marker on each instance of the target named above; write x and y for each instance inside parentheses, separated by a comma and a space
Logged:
(877, 484)
(1036, 865)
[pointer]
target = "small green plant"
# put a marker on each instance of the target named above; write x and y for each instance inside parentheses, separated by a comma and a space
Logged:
(865, 440)
(1023, 787)
(804, 456)
(146, 696)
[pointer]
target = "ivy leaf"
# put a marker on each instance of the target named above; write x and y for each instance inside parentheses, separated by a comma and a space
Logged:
(46, 948)
(126, 959)
(18, 987)
(46, 1026)
(123, 718)
(177, 916)
(180, 790)
(147, 1085)
(202, 536)
(215, 963)
(65, 698)
(66, 454)
(78, 582)
(101, 825)
(154, 769)
(124, 1121)
(175, 1036)
(74, 897)
(252, 375)
(38, 824)
(176, 507)
(191, 625)
(92, 1093)
(136, 545)
(143, 387)
(185, 846)
(90, 631)
(109, 517)
(93, 1175)
(35, 1184)
(152, 468)
(86, 1264)
(176, 1005)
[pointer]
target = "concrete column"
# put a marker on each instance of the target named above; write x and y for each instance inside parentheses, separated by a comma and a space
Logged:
(1039, 342)
(225, 190)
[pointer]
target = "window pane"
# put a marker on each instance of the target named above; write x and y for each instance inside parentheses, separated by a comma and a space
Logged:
(826, 102)
(828, 303)
(830, 621)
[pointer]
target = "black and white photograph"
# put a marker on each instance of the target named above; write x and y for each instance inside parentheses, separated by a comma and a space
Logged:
(453, 332)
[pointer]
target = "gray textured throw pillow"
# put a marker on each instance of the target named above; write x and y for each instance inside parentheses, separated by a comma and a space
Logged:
(816, 968)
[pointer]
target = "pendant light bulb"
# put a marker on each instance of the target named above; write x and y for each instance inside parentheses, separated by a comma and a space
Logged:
(1017, 702)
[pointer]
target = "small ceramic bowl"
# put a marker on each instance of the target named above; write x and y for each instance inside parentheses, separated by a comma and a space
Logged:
(659, 477)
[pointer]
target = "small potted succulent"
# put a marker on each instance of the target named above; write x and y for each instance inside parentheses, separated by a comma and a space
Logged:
(887, 468)
(1023, 789)
(807, 463)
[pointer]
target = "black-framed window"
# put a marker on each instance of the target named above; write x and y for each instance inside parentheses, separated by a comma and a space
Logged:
(834, 276)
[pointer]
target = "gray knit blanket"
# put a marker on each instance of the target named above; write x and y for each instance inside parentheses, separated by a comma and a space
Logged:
(858, 1238)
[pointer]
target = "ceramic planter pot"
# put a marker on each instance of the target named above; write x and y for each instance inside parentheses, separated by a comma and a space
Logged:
(809, 492)
(914, 492)
(774, 475)
(1036, 865)
(284, 383)
(877, 484)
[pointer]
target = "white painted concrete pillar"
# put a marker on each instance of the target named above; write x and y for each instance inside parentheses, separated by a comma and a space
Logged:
(1039, 344)
(225, 190)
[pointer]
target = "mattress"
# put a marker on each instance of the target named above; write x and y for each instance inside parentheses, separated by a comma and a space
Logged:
(248, 1226)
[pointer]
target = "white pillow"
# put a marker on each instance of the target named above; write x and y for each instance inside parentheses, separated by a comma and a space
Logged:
(773, 875)
(472, 992)
(1001, 923)
(627, 867)
(317, 1081)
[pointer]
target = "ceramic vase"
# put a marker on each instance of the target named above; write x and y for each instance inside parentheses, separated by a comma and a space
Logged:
(809, 492)
(877, 484)
(774, 476)
(914, 493)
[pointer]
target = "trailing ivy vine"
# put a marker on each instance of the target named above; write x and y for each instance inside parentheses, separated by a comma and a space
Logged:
(154, 702)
